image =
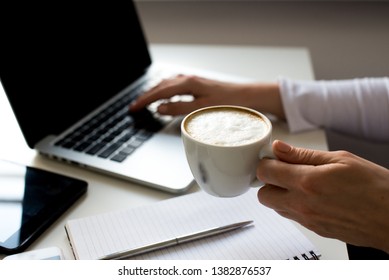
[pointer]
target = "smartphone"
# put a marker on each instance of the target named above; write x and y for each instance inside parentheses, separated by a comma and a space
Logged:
(31, 199)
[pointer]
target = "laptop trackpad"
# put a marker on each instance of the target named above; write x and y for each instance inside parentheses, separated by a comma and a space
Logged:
(162, 159)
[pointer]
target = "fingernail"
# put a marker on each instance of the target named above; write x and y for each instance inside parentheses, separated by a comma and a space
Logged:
(162, 109)
(283, 147)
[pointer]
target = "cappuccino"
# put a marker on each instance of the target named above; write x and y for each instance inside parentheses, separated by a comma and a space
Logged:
(226, 126)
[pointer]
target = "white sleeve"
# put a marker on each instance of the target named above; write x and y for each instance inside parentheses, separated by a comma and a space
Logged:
(358, 107)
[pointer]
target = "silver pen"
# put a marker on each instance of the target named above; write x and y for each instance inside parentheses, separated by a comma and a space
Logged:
(174, 241)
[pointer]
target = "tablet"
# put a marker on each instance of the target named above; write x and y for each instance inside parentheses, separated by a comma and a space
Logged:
(31, 199)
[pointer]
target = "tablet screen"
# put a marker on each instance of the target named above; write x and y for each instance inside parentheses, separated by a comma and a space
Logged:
(30, 200)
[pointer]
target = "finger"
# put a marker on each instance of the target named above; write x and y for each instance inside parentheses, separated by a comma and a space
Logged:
(184, 106)
(273, 197)
(180, 85)
(178, 108)
(290, 154)
(283, 174)
(281, 201)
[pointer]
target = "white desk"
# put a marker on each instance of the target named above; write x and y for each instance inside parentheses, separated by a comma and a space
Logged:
(106, 194)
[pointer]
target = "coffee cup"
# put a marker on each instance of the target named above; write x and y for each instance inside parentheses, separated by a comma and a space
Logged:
(223, 145)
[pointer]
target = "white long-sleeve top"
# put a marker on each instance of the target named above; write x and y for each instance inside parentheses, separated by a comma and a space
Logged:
(358, 107)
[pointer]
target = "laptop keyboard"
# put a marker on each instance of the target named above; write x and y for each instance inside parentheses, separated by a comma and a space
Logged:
(113, 133)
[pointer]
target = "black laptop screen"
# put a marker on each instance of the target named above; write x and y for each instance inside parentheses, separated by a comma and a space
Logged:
(60, 60)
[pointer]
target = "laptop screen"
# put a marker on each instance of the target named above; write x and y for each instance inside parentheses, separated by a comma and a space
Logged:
(62, 59)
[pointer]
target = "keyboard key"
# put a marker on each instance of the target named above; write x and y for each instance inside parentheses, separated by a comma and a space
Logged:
(95, 148)
(120, 157)
(109, 150)
(135, 143)
(127, 150)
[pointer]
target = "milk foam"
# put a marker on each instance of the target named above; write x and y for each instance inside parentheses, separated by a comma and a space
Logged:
(227, 127)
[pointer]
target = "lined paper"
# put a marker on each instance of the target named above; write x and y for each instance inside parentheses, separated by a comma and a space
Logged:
(271, 236)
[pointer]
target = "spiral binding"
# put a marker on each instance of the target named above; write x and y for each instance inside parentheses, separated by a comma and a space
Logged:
(306, 257)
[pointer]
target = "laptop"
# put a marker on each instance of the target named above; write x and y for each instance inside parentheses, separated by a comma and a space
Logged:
(70, 69)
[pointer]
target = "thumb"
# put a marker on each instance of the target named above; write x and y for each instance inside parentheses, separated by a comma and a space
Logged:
(290, 154)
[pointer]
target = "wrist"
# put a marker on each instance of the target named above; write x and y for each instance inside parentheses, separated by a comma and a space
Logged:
(266, 98)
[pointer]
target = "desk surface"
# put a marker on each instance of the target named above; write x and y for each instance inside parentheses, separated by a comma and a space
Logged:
(107, 194)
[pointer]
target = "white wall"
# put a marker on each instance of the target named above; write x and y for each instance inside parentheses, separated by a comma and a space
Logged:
(346, 38)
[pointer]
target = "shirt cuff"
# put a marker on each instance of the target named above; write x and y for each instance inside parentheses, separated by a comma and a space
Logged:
(290, 91)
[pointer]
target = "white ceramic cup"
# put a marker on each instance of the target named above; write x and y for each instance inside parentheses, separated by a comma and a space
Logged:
(222, 165)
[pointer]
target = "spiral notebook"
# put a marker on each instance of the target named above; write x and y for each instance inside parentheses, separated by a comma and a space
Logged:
(271, 237)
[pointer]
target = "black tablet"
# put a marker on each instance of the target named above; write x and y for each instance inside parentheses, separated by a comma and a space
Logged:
(31, 199)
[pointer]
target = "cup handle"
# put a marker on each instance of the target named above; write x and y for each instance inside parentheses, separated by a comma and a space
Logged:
(266, 152)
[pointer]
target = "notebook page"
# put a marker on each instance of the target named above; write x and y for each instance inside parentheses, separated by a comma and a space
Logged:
(271, 236)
